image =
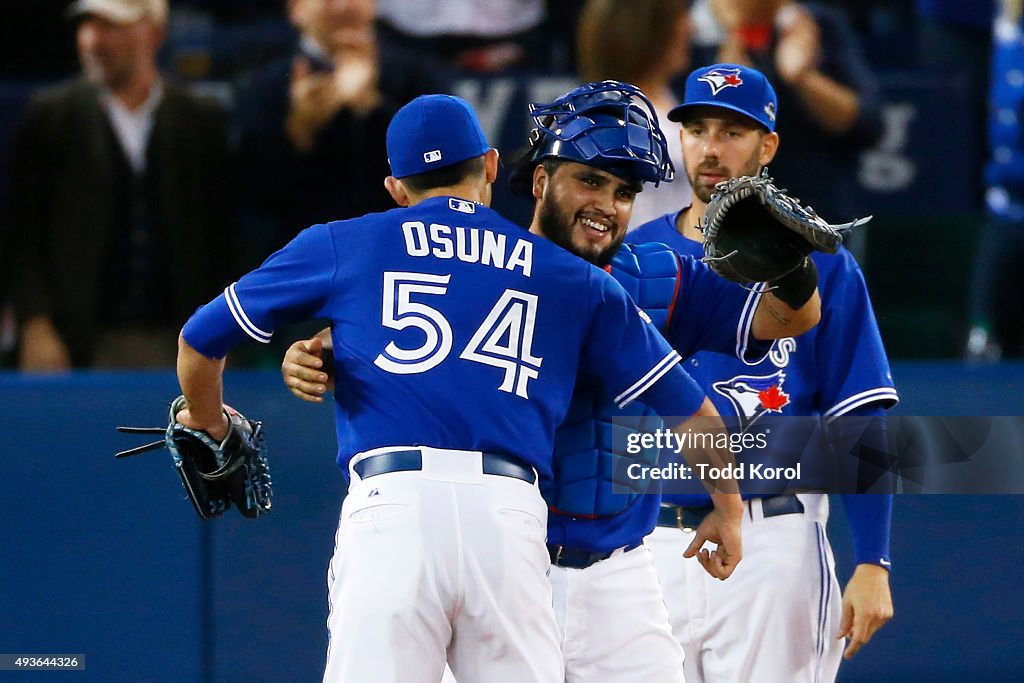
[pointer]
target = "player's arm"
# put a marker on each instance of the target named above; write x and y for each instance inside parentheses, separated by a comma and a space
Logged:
(292, 285)
(634, 362)
(777, 317)
(867, 600)
(855, 381)
(710, 313)
(722, 526)
(202, 384)
(790, 307)
(307, 368)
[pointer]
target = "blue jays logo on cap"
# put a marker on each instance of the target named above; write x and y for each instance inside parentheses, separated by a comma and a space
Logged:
(722, 78)
(730, 86)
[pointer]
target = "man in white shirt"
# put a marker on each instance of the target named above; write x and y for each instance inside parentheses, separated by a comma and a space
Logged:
(118, 181)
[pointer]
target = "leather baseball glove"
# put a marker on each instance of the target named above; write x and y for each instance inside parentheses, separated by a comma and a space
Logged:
(215, 474)
(755, 232)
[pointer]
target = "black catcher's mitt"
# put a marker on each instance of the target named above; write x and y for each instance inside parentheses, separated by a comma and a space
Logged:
(215, 474)
(755, 232)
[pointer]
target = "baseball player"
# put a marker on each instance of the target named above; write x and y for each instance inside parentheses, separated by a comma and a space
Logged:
(457, 350)
(780, 618)
(608, 602)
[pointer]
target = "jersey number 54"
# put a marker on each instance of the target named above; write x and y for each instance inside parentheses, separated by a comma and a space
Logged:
(503, 340)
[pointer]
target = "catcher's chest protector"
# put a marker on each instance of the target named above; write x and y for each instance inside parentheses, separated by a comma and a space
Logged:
(650, 275)
(591, 479)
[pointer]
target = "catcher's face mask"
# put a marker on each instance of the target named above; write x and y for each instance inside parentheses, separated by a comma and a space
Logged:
(609, 125)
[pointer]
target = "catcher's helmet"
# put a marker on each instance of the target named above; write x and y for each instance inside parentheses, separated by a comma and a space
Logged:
(607, 124)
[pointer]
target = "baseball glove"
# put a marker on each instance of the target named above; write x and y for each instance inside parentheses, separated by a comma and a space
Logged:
(215, 474)
(755, 232)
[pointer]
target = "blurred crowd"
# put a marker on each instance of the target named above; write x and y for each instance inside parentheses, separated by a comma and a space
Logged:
(154, 151)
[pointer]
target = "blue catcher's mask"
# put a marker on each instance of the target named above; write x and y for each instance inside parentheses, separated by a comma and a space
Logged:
(608, 124)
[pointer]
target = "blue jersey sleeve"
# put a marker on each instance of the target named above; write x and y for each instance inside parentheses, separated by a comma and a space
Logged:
(869, 515)
(713, 314)
(852, 365)
(631, 358)
(870, 519)
(293, 284)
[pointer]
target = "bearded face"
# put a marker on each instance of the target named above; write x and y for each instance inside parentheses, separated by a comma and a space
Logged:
(585, 210)
(713, 170)
(720, 144)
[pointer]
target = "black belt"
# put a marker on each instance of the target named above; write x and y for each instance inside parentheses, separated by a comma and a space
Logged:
(412, 460)
(576, 558)
(679, 517)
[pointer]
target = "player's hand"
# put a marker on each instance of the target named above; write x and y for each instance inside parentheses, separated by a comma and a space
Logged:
(867, 606)
(42, 349)
(216, 427)
(721, 526)
(302, 370)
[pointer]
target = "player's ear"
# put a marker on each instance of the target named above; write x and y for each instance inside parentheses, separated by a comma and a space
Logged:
(397, 190)
(769, 146)
(491, 165)
(540, 181)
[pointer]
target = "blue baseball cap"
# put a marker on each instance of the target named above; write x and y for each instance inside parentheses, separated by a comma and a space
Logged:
(431, 132)
(730, 86)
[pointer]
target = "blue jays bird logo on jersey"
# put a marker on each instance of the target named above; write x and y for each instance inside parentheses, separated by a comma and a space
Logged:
(753, 396)
(719, 79)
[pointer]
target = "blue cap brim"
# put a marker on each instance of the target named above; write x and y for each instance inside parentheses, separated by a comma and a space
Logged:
(678, 113)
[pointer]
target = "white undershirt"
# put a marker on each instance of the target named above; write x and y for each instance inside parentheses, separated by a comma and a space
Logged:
(133, 128)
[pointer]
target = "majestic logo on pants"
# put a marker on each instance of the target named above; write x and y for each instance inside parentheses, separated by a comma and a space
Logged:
(752, 396)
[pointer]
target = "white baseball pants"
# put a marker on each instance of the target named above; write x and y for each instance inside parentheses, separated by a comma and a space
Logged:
(444, 563)
(775, 620)
(613, 622)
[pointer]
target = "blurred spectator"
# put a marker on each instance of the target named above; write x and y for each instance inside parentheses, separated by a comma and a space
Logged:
(469, 35)
(646, 43)
(312, 125)
(829, 95)
(117, 201)
(996, 315)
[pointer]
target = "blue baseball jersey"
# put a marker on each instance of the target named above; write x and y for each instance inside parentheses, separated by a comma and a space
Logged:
(452, 328)
(836, 368)
(700, 311)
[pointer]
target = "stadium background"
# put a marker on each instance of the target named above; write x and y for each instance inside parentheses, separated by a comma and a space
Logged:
(106, 559)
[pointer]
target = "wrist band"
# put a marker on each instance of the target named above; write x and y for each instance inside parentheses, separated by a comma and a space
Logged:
(797, 287)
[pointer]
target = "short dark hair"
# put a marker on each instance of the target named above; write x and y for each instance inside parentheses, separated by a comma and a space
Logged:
(552, 164)
(444, 177)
